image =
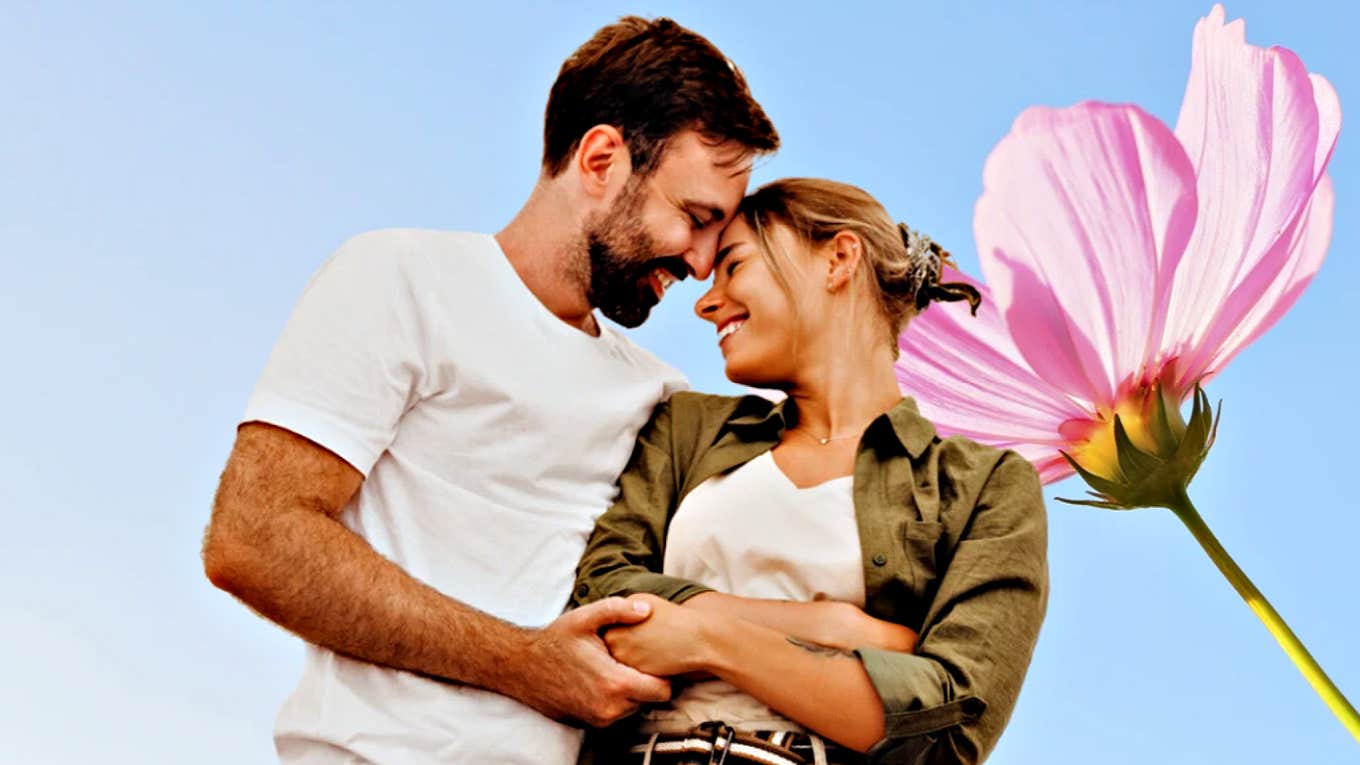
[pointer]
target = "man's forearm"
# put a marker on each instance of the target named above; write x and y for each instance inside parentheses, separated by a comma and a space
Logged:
(311, 575)
(275, 542)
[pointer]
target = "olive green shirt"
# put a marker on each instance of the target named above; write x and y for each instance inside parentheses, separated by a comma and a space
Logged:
(953, 538)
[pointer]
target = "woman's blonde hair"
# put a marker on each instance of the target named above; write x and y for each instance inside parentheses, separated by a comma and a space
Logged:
(904, 270)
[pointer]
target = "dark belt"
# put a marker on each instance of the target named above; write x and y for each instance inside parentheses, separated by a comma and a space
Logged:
(716, 743)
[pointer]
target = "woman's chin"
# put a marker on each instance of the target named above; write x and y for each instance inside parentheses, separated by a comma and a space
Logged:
(754, 376)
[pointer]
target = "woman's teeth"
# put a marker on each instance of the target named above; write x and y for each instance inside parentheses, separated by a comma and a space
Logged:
(729, 329)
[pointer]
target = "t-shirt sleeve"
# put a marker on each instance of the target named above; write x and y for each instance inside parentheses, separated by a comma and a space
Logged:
(351, 360)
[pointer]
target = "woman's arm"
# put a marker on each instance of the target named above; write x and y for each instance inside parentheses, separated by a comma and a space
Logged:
(824, 622)
(825, 689)
(947, 702)
(624, 556)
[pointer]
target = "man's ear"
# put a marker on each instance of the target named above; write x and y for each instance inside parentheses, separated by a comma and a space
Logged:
(843, 256)
(602, 161)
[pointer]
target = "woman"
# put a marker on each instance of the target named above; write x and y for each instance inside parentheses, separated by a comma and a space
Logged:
(833, 578)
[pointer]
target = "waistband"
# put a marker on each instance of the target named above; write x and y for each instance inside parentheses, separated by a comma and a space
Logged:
(716, 743)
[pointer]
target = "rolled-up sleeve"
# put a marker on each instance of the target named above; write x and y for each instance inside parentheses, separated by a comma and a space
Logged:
(950, 700)
(624, 554)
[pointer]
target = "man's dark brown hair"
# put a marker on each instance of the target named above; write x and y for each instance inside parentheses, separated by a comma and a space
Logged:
(651, 80)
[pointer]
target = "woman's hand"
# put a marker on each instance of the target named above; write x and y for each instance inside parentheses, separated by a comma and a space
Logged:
(672, 641)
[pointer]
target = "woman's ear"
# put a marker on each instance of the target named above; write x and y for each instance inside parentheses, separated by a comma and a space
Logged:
(843, 256)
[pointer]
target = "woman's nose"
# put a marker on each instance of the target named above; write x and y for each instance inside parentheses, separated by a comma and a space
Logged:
(708, 304)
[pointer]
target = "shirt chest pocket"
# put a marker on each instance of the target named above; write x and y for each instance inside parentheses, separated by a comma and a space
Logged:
(921, 546)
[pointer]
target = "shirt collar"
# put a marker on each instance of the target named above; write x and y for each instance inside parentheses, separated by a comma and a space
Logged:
(767, 420)
(913, 431)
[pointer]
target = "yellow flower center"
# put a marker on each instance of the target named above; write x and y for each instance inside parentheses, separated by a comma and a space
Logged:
(1092, 442)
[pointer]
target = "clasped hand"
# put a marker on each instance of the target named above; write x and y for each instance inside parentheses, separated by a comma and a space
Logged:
(672, 641)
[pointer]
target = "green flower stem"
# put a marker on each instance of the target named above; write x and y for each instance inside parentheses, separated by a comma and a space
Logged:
(1291, 644)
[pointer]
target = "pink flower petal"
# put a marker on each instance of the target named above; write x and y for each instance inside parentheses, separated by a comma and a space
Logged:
(1306, 250)
(1259, 131)
(1084, 215)
(970, 379)
(1329, 121)
(1051, 468)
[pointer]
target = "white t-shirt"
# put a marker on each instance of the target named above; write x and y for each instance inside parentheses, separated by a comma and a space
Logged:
(490, 434)
(753, 533)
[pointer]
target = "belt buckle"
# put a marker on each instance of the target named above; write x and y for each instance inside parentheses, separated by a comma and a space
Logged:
(723, 735)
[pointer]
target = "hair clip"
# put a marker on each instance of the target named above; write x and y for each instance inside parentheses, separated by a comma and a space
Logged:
(918, 244)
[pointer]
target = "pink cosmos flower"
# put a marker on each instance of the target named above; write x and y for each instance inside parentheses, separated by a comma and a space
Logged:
(1124, 265)
(1117, 254)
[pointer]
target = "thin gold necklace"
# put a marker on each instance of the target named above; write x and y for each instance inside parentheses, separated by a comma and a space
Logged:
(828, 439)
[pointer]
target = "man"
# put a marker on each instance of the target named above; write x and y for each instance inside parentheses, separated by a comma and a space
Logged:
(443, 418)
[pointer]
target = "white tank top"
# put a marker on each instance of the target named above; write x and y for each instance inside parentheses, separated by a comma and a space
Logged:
(753, 533)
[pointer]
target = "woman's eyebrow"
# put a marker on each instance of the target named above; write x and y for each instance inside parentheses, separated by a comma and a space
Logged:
(718, 259)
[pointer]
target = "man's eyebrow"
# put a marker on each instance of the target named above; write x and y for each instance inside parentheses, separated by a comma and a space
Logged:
(715, 212)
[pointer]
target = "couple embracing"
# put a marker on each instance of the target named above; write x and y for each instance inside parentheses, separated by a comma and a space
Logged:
(417, 485)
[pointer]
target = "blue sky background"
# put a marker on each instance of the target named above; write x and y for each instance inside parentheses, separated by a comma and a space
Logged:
(171, 174)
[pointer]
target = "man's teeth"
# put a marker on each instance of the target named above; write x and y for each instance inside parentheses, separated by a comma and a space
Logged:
(729, 329)
(666, 278)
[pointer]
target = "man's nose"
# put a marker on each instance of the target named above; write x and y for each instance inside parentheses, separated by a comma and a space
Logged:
(700, 256)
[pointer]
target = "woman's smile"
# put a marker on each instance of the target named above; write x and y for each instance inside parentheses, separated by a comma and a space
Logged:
(729, 328)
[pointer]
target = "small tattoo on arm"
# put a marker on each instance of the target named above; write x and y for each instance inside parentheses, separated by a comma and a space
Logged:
(817, 648)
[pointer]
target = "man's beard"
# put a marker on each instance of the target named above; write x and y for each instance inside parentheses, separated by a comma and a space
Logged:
(622, 257)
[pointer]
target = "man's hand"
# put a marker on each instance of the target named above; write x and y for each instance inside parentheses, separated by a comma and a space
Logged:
(569, 673)
(671, 642)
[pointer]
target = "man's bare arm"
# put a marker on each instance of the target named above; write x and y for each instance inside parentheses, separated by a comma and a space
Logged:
(275, 542)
